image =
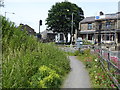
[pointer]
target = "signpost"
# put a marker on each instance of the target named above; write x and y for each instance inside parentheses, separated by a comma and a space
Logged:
(79, 43)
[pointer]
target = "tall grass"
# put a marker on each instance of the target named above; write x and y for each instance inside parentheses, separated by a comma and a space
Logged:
(27, 63)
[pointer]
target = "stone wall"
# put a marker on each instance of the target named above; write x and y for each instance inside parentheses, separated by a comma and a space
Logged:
(118, 24)
(84, 27)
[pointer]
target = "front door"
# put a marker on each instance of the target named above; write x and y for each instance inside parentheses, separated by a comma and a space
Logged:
(118, 37)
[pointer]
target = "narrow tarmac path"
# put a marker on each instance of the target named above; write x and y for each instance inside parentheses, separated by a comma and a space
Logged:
(78, 77)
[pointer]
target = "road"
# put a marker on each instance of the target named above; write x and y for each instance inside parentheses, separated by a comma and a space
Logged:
(78, 77)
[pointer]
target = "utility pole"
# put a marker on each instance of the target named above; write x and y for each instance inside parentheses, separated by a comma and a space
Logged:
(72, 29)
(99, 35)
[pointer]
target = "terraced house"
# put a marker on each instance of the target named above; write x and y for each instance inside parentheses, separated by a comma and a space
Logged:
(104, 29)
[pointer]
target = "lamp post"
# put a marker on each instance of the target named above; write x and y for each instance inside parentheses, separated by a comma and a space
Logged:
(72, 22)
(72, 29)
(99, 35)
(9, 13)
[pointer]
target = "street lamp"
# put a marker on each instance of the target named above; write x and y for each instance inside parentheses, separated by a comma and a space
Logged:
(9, 13)
(71, 30)
(72, 26)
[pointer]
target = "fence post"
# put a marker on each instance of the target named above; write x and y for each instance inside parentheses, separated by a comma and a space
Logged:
(108, 60)
(101, 52)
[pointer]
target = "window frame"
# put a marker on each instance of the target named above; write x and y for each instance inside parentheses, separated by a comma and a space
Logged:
(90, 26)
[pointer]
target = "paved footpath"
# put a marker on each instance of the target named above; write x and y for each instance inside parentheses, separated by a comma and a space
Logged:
(78, 77)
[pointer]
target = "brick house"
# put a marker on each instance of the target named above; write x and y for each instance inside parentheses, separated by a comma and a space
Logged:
(87, 28)
(29, 30)
(104, 28)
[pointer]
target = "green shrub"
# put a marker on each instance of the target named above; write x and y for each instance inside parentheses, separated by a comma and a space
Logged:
(76, 53)
(45, 78)
(86, 42)
(23, 56)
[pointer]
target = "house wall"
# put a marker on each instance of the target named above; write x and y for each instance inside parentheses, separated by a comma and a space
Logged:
(94, 26)
(44, 35)
(113, 25)
(118, 24)
(110, 37)
(29, 30)
(84, 26)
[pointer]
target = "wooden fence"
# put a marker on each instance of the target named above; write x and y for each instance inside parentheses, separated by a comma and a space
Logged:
(110, 62)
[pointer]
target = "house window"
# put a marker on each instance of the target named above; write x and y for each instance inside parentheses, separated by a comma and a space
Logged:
(107, 37)
(89, 26)
(108, 25)
(89, 36)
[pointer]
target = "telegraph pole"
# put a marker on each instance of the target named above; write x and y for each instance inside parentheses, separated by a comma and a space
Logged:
(99, 35)
(72, 29)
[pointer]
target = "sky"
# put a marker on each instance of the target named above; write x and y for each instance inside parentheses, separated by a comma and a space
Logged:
(31, 11)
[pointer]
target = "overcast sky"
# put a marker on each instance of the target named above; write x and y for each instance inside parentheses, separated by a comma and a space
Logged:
(31, 11)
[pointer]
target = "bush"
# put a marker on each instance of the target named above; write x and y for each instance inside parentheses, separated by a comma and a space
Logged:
(24, 58)
(45, 78)
(85, 42)
(76, 53)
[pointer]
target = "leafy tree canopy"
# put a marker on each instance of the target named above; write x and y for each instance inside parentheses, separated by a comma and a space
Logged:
(60, 17)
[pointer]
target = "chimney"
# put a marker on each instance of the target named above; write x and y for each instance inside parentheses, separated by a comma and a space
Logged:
(101, 13)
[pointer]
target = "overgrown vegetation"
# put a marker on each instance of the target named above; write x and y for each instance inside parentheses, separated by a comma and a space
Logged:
(99, 78)
(76, 53)
(86, 42)
(27, 63)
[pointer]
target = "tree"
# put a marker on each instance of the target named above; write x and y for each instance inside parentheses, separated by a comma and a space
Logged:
(60, 17)
(1, 3)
